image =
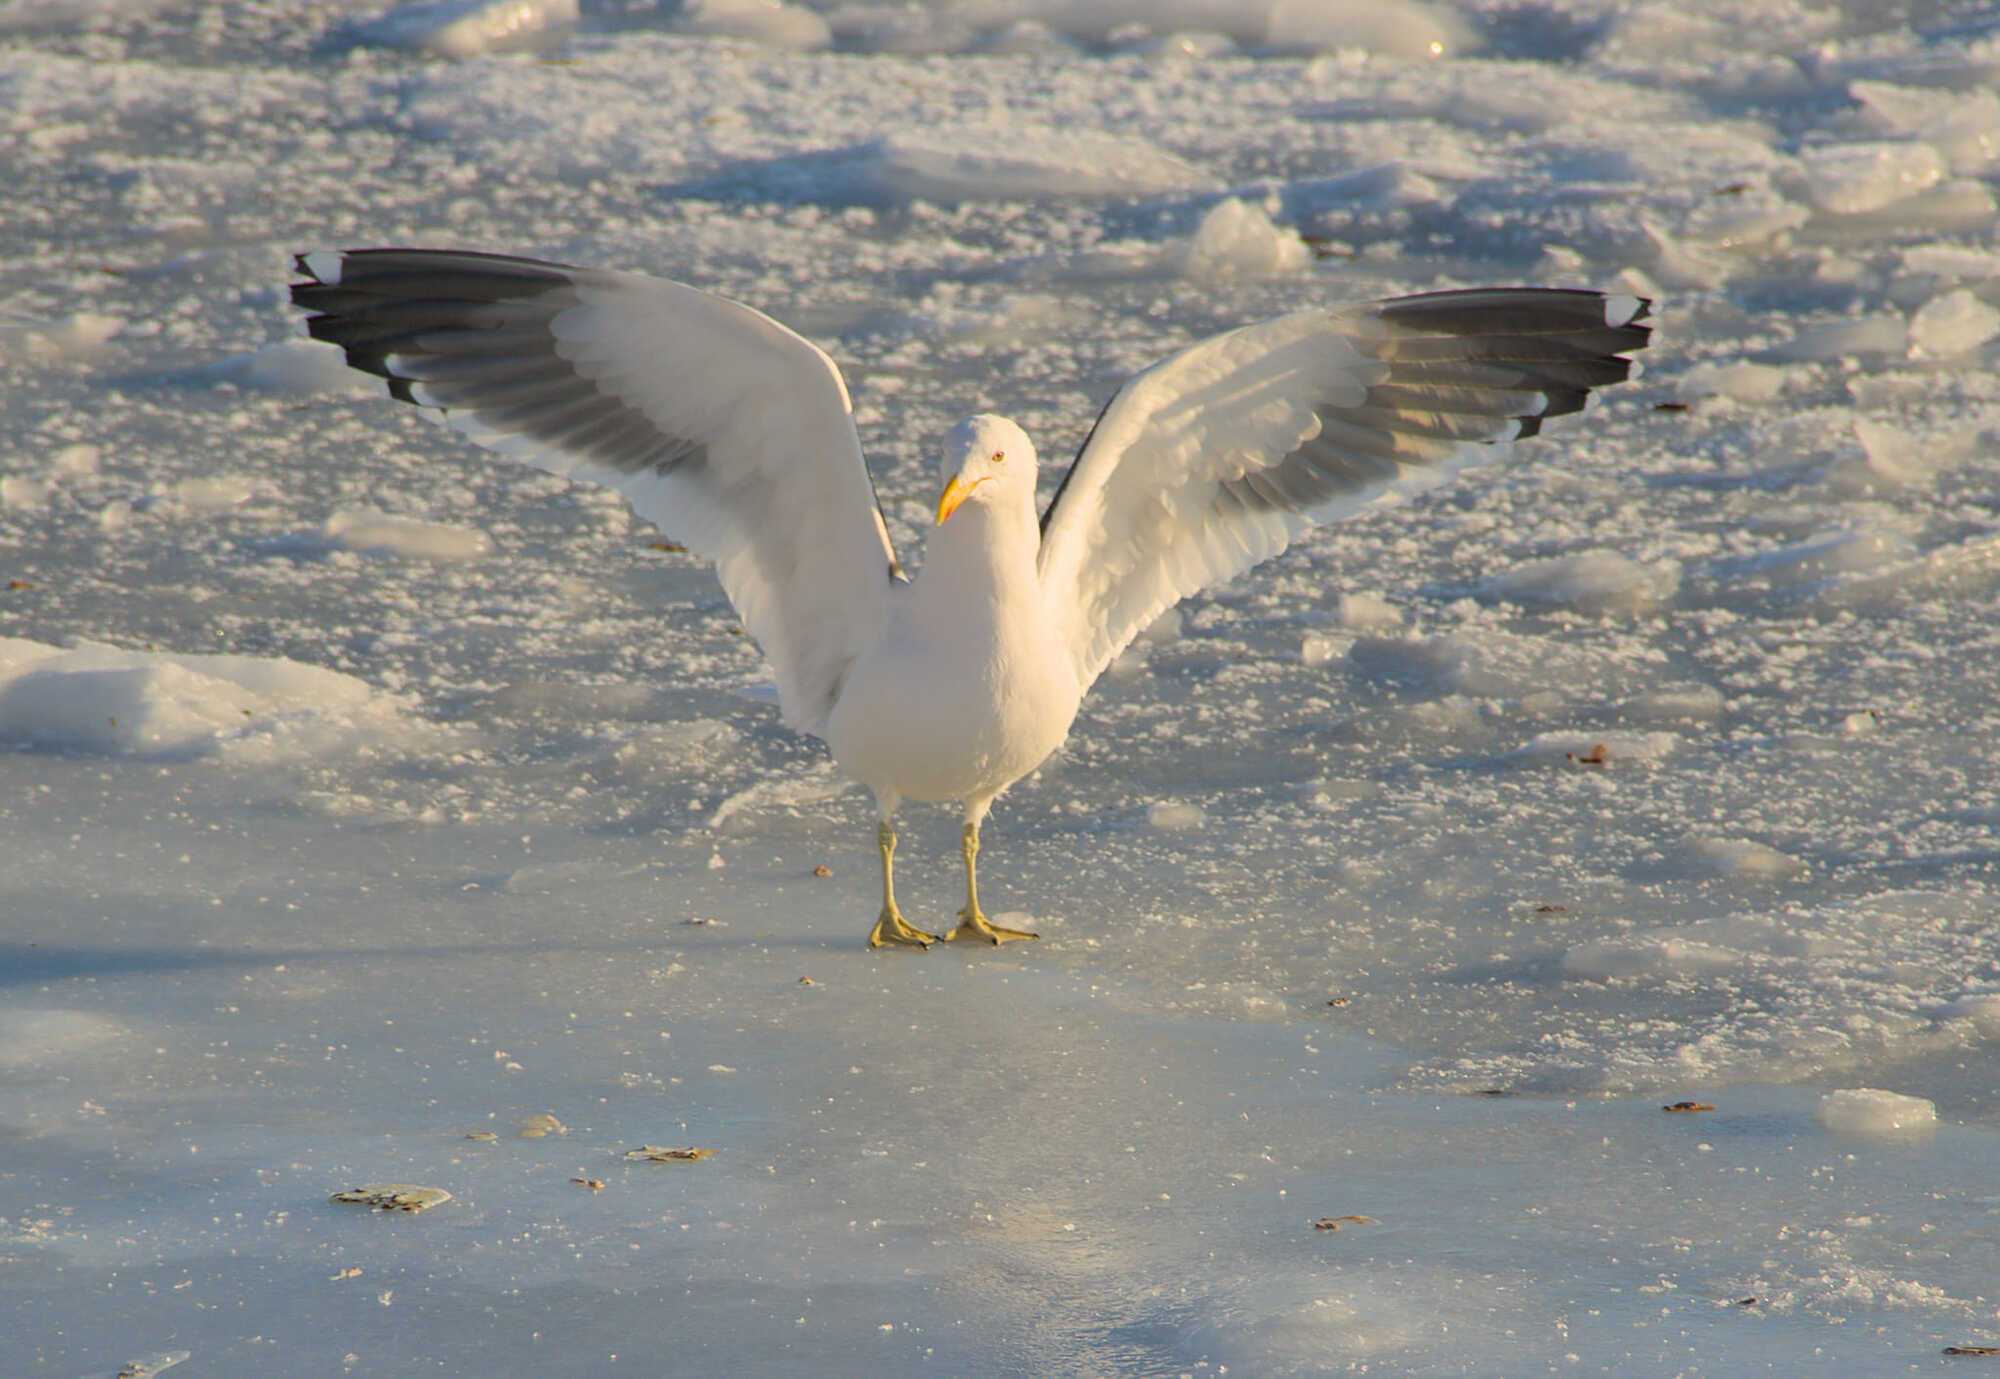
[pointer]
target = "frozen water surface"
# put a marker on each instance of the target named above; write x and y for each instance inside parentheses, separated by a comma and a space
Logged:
(366, 800)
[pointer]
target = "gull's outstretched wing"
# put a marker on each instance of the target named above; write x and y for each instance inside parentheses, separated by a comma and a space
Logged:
(1217, 457)
(727, 431)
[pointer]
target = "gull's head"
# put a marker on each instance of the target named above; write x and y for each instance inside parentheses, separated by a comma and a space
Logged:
(987, 459)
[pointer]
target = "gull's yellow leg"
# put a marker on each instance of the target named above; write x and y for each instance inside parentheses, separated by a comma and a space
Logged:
(892, 927)
(972, 921)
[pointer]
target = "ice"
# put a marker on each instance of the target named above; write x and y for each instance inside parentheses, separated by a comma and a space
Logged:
(1174, 815)
(1851, 179)
(294, 368)
(1962, 125)
(772, 22)
(1952, 324)
(1652, 761)
(100, 699)
(1742, 860)
(76, 336)
(1238, 239)
(1590, 582)
(469, 28)
(995, 164)
(376, 533)
(1740, 381)
(1870, 337)
(1872, 1111)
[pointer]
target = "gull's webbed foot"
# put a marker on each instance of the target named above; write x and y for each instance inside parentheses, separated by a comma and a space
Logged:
(972, 924)
(893, 928)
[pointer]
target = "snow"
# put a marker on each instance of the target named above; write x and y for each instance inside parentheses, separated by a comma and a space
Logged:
(364, 794)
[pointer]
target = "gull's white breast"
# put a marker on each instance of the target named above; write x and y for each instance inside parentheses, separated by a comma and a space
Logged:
(968, 690)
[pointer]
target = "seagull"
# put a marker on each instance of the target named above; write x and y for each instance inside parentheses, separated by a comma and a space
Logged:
(735, 436)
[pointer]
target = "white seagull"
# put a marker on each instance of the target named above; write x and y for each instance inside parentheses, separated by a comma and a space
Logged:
(735, 436)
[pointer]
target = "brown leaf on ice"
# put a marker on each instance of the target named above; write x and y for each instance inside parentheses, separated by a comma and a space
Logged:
(1334, 1223)
(653, 1153)
(1684, 1107)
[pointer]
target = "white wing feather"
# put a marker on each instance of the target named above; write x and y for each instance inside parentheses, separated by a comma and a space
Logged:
(727, 431)
(1217, 457)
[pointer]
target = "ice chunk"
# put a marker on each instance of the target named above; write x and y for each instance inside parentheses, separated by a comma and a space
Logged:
(20, 492)
(212, 492)
(1596, 748)
(1694, 703)
(75, 461)
(1982, 1008)
(1175, 815)
(1849, 179)
(1872, 1111)
(468, 28)
(1739, 860)
(1366, 612)
(1237, 239)
(1962, 125)
(1015, 163)
(770, 22)
(102, 699)
(376, 533)
(1590, 582)
(1398, 28)
(66, 337)
(1951, 325)
(1889, 459)
(1861, 336)
(294, 368)
(1741, 381)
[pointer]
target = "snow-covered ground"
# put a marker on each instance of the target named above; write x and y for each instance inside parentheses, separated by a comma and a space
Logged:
(361, 794)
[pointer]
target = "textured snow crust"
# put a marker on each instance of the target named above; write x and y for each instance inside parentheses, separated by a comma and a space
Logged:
(363, 793)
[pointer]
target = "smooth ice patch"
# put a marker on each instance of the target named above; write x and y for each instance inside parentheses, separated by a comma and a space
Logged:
(1872, 1111)
(35, 1039)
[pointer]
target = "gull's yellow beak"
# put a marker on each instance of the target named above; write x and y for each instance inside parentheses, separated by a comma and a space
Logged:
(954, 493)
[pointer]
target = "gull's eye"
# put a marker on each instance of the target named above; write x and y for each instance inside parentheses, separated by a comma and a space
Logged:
(999, 455)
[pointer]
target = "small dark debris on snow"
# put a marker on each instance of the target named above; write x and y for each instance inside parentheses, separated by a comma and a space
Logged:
(594, 1184)
(1494, 1091)
(807, 981)
(822, 870)
(1598, 755)
(670, 547)
(1551, 909)
(1670, 407)
(1685, 1107)
(1972, 1350)
(1746, 1302)
(1339, 1001)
